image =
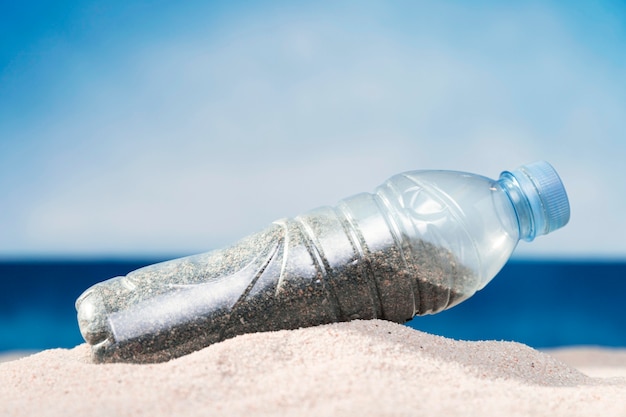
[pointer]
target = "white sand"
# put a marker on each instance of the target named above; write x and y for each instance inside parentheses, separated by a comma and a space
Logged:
(362, 368)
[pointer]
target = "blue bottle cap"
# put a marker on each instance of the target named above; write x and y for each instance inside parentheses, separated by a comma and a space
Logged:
(545, 194)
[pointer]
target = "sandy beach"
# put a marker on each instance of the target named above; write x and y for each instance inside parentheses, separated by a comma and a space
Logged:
(361, 368)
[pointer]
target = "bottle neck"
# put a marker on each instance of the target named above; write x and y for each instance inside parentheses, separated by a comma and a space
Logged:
(527, 219)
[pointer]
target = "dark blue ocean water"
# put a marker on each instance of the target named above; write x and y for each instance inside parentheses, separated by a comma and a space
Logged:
(540, 303)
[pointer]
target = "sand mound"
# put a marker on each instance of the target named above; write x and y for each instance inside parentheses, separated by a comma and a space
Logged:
(364, 368)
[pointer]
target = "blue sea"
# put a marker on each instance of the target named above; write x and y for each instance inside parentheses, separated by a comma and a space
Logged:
(540, 303)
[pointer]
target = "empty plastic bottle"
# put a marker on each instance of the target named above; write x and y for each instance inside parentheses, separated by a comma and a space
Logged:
(422, 242)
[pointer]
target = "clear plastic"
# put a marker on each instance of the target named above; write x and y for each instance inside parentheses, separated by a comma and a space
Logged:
(420, 243)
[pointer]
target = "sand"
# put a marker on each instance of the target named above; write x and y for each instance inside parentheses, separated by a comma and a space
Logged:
(361, 368)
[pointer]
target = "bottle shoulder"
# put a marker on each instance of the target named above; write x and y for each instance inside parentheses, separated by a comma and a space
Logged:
(471, 215)
(444, 180)
(454, 193)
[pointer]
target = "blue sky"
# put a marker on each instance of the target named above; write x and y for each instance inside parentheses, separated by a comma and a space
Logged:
(150, 128)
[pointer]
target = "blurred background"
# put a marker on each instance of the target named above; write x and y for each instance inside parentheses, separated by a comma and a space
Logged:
(136, 131)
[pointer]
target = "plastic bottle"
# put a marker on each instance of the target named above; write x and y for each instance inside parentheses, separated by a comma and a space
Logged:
(422, 242)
